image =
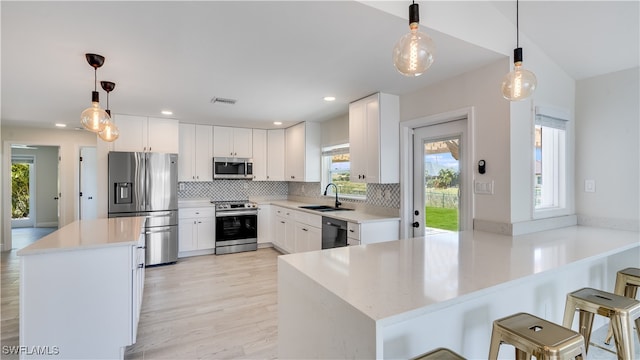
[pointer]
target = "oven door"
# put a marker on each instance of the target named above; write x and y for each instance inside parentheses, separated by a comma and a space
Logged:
(236, 227)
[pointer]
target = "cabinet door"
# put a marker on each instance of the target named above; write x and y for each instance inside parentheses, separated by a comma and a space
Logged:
(302, 237)
(206, 233)
(260, 157)
(264, 223)
(290, 236)
(133, 133)
(275, 155)
(187, 154)
(294, 157)
(279, 233)
(187, 234)
(372, 140)
(203, 163)
(242, 143)
(222, 141)
(162, 135)
(314, 241)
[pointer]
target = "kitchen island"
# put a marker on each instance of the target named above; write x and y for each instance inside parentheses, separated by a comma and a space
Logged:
(399, 299)
(81, 290)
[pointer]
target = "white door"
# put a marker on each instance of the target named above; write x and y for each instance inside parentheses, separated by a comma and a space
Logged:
(438, 152)
(88, 183)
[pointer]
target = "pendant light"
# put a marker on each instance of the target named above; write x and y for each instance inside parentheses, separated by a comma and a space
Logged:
(413, 53)
(93, 118)
(110, 132)
(520, 83)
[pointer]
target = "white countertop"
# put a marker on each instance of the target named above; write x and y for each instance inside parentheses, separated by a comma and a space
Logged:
(191, 203)
(85, 234)
(346, 215)
(396, 277)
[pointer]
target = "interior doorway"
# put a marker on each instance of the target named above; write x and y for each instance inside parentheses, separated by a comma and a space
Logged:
(88, 183)
(35, 192)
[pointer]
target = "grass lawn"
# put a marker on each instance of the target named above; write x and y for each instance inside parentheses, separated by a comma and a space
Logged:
(441, 218)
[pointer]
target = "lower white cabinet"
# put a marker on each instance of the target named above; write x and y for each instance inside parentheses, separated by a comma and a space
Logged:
(372, 232)
(296, 231)
(265, 227)
(308, 238)
(196, 231)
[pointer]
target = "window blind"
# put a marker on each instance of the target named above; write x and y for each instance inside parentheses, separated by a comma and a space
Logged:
(552, 118)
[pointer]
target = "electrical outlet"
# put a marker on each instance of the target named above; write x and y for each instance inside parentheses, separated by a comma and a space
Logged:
(181, 187)
(485, 188)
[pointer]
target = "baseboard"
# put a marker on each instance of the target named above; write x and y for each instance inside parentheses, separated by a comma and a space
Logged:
(525, 227)
(609, 223)
(47, 224)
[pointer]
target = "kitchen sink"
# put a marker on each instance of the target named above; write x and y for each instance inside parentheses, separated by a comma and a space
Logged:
(322, 208)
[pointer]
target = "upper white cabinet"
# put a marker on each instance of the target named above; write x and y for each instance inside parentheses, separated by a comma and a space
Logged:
(302, 152)
(146, 134)
(374, 132)
(260, 155)
(195, 162)
(232, 142)
(275, 155)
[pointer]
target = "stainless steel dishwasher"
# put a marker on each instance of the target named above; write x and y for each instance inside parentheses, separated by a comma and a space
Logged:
(334, 233)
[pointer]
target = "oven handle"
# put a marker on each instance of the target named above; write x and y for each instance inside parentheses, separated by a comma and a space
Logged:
(235, 213)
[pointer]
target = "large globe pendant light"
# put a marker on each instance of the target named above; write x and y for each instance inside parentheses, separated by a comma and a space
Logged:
(413, 53)
(520, 83)
(94, 117)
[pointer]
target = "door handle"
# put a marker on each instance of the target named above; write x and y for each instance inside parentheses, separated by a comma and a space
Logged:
(56, 198)
(415, 224)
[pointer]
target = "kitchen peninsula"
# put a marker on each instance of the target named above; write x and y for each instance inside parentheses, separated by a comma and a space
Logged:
(399, 299)
(81, 290)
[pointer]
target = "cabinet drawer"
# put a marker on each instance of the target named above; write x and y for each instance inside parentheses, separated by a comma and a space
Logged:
(284, 212)
(353, 230)
(308, 219)
(187, 213)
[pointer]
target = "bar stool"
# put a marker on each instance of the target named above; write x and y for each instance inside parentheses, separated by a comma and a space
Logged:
(440, 354)
(627, 282)
(531, 335)
(619, 309)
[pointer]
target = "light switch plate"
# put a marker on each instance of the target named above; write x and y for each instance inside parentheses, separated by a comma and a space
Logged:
(483, 188)
(590, 186)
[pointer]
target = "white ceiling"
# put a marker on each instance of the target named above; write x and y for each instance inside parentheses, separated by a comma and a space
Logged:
(278, 59)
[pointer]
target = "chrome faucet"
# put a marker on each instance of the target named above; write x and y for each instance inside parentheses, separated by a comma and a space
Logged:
(338, 203)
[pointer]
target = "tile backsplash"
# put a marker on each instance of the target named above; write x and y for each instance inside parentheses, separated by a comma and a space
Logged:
(381, 198)
(229, 190)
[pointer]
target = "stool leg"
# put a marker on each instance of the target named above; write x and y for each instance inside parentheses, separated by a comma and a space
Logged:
(619, 289)
(630, 291)
(621, 325)
(586, 323)
(569, 312)
(494, 346)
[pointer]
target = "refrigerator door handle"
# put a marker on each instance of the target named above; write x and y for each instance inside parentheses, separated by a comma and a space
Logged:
(150, 231)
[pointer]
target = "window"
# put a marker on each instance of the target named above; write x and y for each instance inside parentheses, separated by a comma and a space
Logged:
(336, 169)
(550, 160)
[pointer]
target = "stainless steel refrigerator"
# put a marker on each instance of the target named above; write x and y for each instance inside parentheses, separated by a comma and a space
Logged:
(146, 184)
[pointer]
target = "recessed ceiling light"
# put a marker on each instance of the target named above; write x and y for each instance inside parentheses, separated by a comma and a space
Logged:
(167, 112)
(61, 125)
(277, 123)
(329, 98)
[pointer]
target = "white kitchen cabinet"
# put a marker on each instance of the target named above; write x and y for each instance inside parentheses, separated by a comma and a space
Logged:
(372, 232)
(284, 225)
(260, 155)
(265, 226)
(146, 134)
(195, 154)
(374, 133)
(196, 231)
(308, 238)
(232, 142)
(275, 155)
(302, 152)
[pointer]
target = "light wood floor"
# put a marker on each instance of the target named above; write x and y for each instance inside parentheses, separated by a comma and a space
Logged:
(205, 307)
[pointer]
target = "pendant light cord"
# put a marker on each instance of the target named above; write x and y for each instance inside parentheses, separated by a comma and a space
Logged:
(95, 79)
(517, 26)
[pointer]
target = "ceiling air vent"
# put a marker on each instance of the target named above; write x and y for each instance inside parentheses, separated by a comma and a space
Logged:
(223, 101)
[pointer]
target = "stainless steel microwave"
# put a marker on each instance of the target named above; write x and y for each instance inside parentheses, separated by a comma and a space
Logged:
(232, 168)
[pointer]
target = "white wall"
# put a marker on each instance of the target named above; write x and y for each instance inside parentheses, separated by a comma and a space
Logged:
(46, 183)
(69, 142)
(335, 131)
(608, 150)
(480, 89)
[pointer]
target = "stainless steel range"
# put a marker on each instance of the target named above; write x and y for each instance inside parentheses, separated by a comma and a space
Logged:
(236, 226)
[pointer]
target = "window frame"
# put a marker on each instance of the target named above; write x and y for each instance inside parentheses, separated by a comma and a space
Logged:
(552, 118)
(325, 177)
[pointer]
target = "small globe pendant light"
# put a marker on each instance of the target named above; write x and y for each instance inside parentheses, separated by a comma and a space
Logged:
(94, 117)
(520, 83)
(110, 131)
(413, 53)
